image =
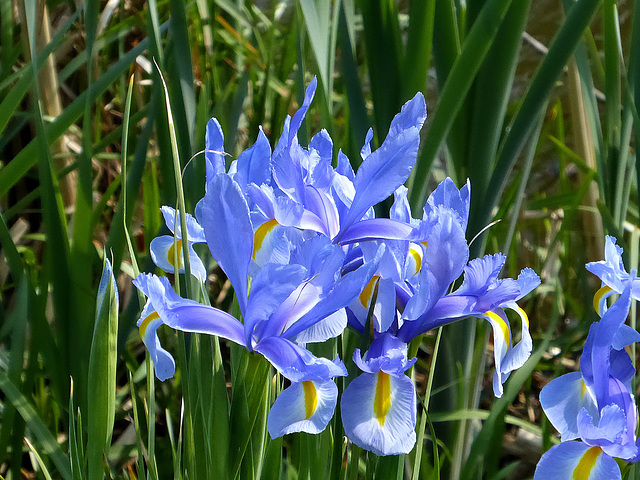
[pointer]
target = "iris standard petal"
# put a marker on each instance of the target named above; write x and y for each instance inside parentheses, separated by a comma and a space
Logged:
(227, 225)
(604, 431)
(214, 153)
(379, 413)
(562, 399)
(195, 233)
(390, 165)
(576, 460)
(448, 195)
(305, 406)
(254, 164)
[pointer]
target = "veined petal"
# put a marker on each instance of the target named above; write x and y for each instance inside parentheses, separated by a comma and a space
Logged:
(329, 327)
(379, 413)
(269, 289)
(163, 253)
(376, 229)
(576, 461)
(343, 292)
(305, 406)
(562, 399)
(163, 362)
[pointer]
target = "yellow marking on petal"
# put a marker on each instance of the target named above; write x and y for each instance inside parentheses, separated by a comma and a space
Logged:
(171, 254)
(586, 464)
(382, 398)
(145, 323)
(416, 252)
(261, 234)
(523, 314)
(367, 293)
(583, 389)
(310, 398)
(598, 297)
(503, 326)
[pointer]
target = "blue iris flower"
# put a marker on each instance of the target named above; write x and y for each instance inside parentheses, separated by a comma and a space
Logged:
(287, 305)
(594, 405)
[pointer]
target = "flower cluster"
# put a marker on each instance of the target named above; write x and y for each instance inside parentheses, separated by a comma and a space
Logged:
(596, 405)
(300, 243)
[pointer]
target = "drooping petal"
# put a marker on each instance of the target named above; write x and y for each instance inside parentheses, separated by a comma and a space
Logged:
(297, 363)
(501, 344)
(576, 460)
(188, 315)
(305, 406)
(518, 355)
(379, 413)
(227, 226)
(163, 362)
(562, 399)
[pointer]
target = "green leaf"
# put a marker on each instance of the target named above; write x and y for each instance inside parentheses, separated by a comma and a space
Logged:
(102, 373)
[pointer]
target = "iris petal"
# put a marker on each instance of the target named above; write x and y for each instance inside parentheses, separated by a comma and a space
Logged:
(379, 413)
(305, 406)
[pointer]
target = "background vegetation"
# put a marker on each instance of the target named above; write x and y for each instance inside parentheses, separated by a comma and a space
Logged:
(535, 102)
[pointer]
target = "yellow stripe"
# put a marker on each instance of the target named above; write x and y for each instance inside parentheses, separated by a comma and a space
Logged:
(583, 389)
(416, 253)
(310, 398)
(503, 326)
(145, 323)
(598, 296)
(524, 315)
(586, 464)
(382, 398)
(261, 234)
(367, 293)
(171, 254)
